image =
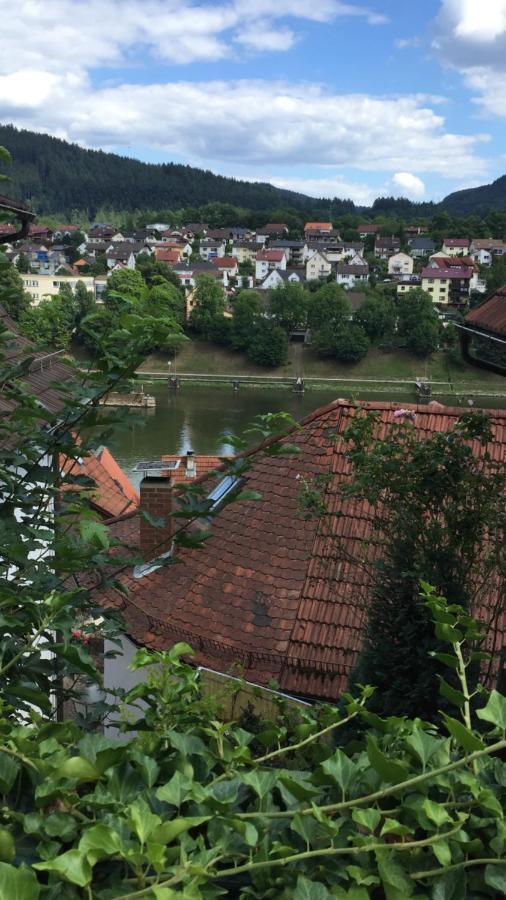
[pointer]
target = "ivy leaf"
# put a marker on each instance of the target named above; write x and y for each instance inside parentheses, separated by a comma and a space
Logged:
(495, 877)
(175, 791)
(102, 840)
(451, 886)
(166, 832)
(18, 883)
(435, 812)
(93, 532)
(392, 826)
(390, 771)
(442, 852)
(369, 818)
(72, 865)
(341, 769)
(494, 711)
(310, 890)
(9, 769)
(423, 744)
(452, 694)
(466, 738)
(361, 876)
(446, 658)
(143, 820)
(396, 882)
(78, 657)
(261, 782)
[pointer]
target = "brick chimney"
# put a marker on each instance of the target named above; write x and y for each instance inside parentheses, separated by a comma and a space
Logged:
(156, 499)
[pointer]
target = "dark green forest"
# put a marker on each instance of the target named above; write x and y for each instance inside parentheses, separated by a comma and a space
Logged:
(57, 177)
(62, 179)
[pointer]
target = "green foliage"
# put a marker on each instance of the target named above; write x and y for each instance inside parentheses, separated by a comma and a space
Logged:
(418, 322)
(288, 304)
(52, 322)
(209, 298)
(247, 306)
(186, 805)
(13, 296)
(440, 516)
(377, 316)
(268, 345)
(329, 308)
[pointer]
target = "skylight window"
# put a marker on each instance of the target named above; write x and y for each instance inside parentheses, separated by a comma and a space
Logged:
(222, 490)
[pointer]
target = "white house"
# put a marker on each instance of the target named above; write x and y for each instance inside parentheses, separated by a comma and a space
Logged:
(318, 266)
(278, 277)
(483, 250)
(400, 264)
(455, 246)
(266, 260)
(210, 248)
(40, 287)
(349, 276)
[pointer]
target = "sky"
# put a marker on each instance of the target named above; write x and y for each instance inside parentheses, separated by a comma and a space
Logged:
(334, 99)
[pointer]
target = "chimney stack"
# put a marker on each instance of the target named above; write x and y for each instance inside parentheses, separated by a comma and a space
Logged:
(191, 465)
(156, 499)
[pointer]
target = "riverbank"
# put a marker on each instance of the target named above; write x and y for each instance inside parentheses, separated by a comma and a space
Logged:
(385, 373)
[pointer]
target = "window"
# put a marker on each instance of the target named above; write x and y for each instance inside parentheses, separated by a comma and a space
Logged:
(222, 490)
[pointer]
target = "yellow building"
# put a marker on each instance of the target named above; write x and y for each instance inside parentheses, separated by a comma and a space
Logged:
(40, 287)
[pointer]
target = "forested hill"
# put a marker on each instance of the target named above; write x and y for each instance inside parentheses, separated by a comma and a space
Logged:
(478, 200)
(58, 177)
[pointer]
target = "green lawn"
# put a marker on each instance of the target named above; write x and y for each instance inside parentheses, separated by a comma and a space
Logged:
(200, 357)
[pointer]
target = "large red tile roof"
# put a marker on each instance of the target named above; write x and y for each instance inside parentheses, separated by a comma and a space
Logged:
(270, 591)
(490, 315)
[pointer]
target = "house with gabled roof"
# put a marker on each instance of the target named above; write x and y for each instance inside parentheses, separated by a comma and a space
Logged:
(266, 260)
(318, 267)
(455, 246)
(483, 334)
(277, 594)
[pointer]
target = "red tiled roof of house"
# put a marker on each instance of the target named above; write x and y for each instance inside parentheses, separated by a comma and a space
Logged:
(491, 314)
(172, 257)
(224, 262)
(277, 593)
(113, 494)
(38, 229)
(456, 242)
(453, 272)
(367, 229)
(270, 255)
(318, 226)
(453, 262)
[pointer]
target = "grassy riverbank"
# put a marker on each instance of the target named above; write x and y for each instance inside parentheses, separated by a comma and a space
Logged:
(199, 357)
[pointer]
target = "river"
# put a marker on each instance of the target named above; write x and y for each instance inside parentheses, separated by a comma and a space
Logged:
(199, 417)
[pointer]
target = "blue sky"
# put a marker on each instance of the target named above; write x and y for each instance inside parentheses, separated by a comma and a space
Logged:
(331, 98)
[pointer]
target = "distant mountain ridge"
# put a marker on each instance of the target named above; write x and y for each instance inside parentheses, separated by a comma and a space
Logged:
(481, 199)
(58, 178)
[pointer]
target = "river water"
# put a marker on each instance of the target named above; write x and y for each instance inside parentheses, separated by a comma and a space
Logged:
(199, 417)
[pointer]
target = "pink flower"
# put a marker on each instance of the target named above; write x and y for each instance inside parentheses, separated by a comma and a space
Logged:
(76, 633)
(399, 413)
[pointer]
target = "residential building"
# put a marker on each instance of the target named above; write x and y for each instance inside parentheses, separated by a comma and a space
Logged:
(99, 233)
(40, 258)
(271, 591)
(188, 272)
(447, 286)
(277, 277)
(404, 287)
(455, 246)
(170, 255)
(466, 263)
(318, 266)
(296, 251)
(421, 247)
(63, 232)
(244, 251)
(266, 260)
(414, 231)
(348, 276)
(400, 264)
(124, 253)
(276, 230)
(484, 250)
(39, 287)
(227, 265)
(210, 248)
(365, 230)
(384, 247)
(315, 230)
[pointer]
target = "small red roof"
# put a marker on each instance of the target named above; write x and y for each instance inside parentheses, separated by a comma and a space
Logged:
(113, 494)
(172, 257)
(224, 262)
(203, 466)
(456, 242)
(367, 229)
(318, 226)
(270, 255)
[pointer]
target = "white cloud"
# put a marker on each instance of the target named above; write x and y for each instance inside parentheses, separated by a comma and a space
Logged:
(404, 43)
(254, 122)
(409, 185)
(63, 35)
(471, 37)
